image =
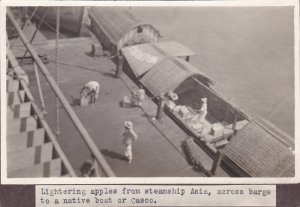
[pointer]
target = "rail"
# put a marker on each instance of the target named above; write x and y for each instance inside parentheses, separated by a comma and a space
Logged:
(79, 126)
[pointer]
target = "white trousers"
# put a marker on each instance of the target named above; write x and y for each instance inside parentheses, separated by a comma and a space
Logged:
(128, 152)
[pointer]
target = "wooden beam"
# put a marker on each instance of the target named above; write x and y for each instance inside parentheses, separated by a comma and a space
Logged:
(217, 162)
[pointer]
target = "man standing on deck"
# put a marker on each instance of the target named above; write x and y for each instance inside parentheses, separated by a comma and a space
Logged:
(90, 90)
(129, 137)
(203, 110)
(138, 96)
(160, 107)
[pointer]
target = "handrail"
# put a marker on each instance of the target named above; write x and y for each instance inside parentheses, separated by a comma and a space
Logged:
(79, 126)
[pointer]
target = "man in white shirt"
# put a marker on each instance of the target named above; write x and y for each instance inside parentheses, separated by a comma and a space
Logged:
(129, 136)
(203, 110)
(138, 97)
(90, 90)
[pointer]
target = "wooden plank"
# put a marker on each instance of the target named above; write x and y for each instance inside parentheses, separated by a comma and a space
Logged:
(20, 141)
(18, 111)
(21, 125)
(12, 85)
(29, 157)
(47, 169)
(14, 98)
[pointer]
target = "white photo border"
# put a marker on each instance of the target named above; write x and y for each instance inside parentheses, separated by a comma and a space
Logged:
(152, 180)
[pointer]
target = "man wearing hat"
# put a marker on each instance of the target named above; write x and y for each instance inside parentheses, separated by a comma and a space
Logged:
(129, 137)
(203, 110)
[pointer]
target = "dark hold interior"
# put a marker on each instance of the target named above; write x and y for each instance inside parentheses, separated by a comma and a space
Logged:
(190, 93)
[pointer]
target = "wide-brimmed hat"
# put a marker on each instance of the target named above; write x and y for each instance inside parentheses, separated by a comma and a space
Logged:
(128, 124)
(174, 96)
(204, 100)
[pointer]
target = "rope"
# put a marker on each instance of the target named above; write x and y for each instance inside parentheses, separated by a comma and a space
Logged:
(35, 32)
(56, 69)
(49, 26)
(27, 22)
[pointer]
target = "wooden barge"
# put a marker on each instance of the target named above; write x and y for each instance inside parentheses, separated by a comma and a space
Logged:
(244, 145)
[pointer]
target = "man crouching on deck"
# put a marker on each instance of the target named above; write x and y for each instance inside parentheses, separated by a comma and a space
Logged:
(89, 93)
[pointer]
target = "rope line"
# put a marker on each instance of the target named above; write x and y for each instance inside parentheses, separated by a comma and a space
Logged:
(49, 26)
(35, 32)
(27, 22)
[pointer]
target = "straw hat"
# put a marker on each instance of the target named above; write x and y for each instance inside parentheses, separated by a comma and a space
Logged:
(204, 100)
(174, 96)
(128, 124)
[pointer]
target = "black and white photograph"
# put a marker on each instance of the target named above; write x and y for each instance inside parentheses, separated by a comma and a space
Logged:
(132, 91)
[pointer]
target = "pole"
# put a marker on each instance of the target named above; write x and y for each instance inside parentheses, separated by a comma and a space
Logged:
(39, 88)
(234, 122)
(217, 162)
(187, 59)
(77, 123)
(119, 65)
(160, 107)
(57, 131)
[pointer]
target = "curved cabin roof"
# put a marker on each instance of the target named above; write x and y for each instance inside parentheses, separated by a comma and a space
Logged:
(169, 73)
(143, 57)
(116, 22)
(261, 150)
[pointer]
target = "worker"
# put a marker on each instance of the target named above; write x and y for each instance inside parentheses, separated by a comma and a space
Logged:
(160, 107)
(203, 110)
(129, 136)
(172, 98)
(90, 168)
(138, 96)
(119, 64)
(93, 50)
(90, 92)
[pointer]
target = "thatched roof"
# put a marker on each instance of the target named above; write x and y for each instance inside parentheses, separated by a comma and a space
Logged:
(169, 73)
(143, 57)
(261, 150)
(115, 22)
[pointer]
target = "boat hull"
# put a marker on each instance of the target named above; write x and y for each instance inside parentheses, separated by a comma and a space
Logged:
(70, 17)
